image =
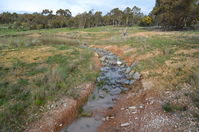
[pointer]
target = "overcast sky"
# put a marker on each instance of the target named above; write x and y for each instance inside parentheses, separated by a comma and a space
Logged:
(75, 6)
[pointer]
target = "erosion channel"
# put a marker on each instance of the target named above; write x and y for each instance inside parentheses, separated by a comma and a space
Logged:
(113, 78)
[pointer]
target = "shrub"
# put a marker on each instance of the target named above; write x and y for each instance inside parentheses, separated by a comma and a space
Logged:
(146, 21)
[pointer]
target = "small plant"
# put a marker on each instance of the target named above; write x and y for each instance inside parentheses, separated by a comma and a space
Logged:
(62, 47)
(18, 64)
(23, 82)
(36, 71)
(39, 102)
(100, 84)
(85, 114)
(93, 97)
(195, 98)
(168, 107)
(59, 59)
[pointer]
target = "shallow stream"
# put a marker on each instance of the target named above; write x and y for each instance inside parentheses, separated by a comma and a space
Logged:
(114, 76)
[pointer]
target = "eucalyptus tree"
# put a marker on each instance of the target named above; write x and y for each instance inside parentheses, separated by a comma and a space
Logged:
(116, 16)
(176, 14)
(127, 15)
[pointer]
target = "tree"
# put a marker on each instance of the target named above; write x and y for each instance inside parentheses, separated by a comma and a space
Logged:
(127, 15)
(81, 20)
(116, 16)
(89, 19)
(137, 15)
(47, 12)
(176, 14)
(146, 21)
(64, 18)
(6, 18)
(107, 20)
(98, 20)
(65, 13)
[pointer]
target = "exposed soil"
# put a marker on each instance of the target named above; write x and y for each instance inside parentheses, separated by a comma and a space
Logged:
(190, 51)
(34, 35)
(150, 33)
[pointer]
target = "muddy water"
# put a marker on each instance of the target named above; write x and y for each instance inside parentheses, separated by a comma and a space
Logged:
(113, 78)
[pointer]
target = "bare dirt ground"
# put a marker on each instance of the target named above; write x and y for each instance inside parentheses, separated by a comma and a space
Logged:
(149, 33)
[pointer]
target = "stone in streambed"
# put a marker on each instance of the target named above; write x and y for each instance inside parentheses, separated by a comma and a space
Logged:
(128, 70)
(103, 58)
(116, 91)
(101, 94)
(119, 62)
(125, 124)
(136, 76)
(126, 82)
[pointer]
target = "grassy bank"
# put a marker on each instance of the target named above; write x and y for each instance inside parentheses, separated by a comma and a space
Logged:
(34, 74)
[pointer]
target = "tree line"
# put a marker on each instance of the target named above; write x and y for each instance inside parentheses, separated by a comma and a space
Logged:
(63, 18)
(169, 14)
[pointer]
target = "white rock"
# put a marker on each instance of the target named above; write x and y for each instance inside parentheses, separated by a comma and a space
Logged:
(132, 108)
(52, 106)
(65, 105)
(103, 58)
(112, 117)
(141, 106)
(119, 62)
(125, 124)
(104, 119)
(122, 109)
(60, 125)
(134, 112)
(151, 102)
(96, 55)
(107, 118)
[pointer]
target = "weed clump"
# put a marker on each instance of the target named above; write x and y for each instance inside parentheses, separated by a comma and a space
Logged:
(168, 107)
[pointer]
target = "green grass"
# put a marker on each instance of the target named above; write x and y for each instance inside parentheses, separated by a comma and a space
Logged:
(36, 71)
(5, 31)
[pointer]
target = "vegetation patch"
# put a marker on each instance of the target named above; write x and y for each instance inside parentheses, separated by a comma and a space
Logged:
(168, 107)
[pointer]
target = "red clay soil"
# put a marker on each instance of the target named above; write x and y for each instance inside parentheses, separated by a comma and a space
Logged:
(118, 50)
(57, 118)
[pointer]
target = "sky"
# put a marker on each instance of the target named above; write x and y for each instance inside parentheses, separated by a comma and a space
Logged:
(75, 6)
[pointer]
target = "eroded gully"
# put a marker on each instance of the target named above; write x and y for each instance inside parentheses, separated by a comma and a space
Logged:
(114, 76)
